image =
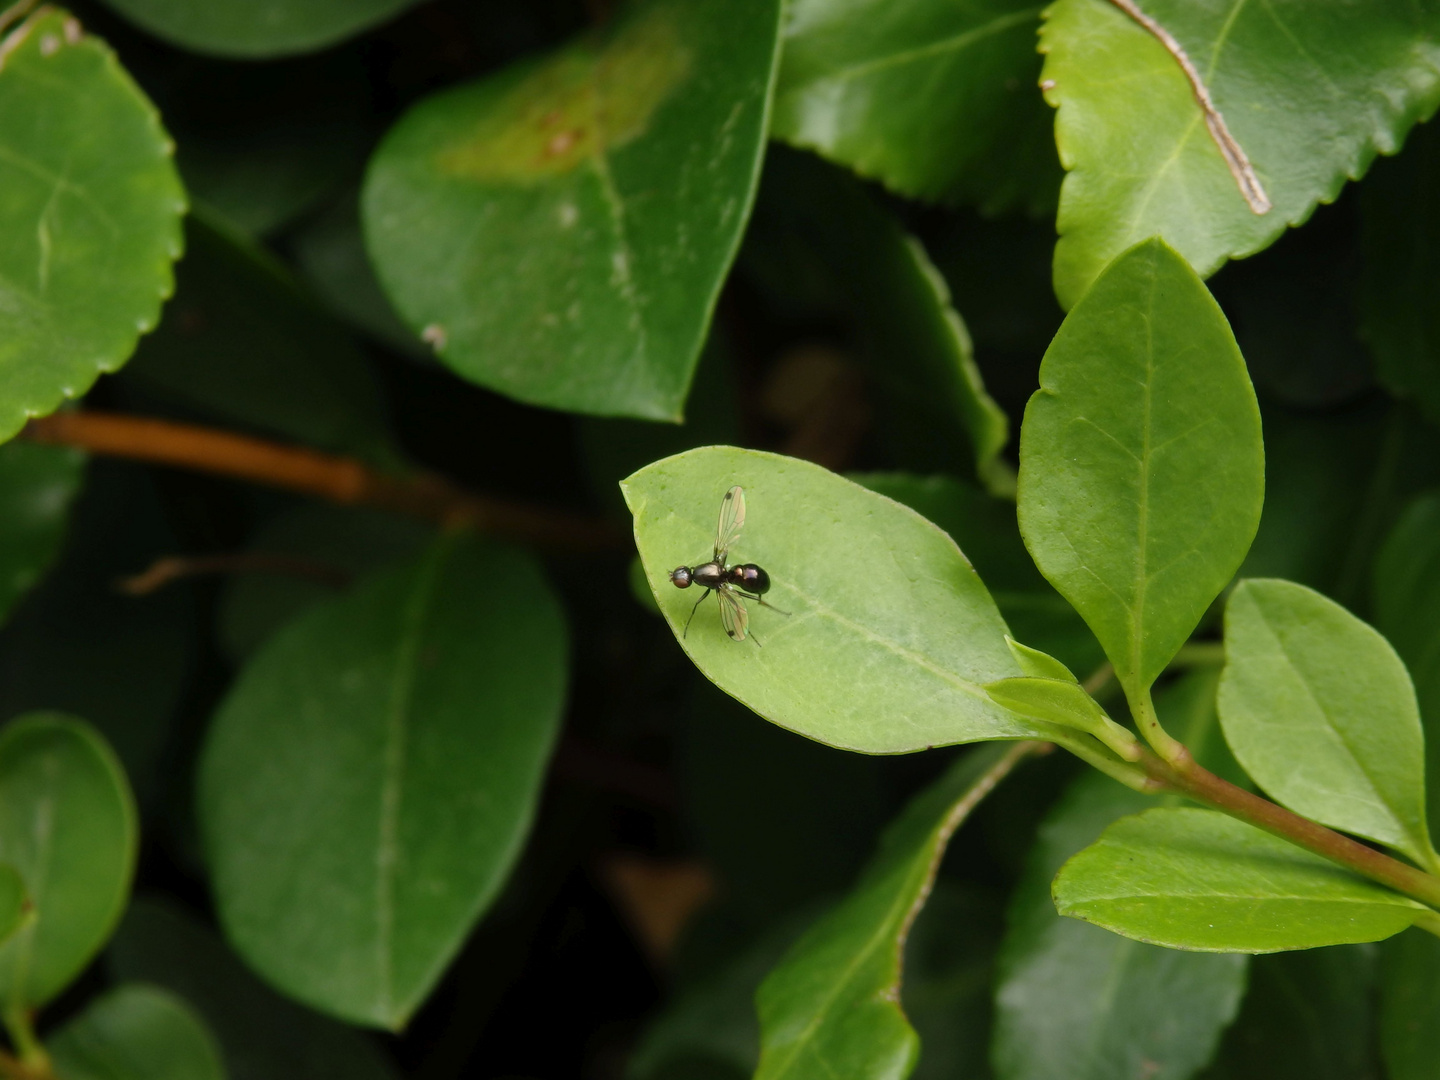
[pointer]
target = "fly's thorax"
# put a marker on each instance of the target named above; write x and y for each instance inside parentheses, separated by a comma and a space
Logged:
(711, 575)
(749, 577)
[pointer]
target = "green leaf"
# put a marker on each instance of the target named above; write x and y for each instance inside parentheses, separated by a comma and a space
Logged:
(831, 1008)
(90, 204)
(1317, 1004)
(136, 1031)
(370, 779)
(1407, 611)
(1320, 711)
(1399, 317)
(1308, 98)
(912, 342)
(1141, 464)
(14, 903)
(241, 341)
(986, 529)
(1410, 1006)
(935, 99)
(1197, 879)
(1063, 702)
(67, 823)
(1076, 1002)
(37, 486)
(918, 617)
(257, 28)
(514, 221)
(263, 1036)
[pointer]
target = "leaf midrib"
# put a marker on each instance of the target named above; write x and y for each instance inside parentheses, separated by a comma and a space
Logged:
(397, 724)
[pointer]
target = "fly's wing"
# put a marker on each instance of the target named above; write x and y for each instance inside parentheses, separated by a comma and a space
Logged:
(733, 615)
(732, 520)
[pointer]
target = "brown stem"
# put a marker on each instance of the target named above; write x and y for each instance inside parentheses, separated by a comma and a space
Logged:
(311, 472)
(1188, 777)
(170, 568)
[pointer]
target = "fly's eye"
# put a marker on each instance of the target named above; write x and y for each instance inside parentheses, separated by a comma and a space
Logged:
(680, 577)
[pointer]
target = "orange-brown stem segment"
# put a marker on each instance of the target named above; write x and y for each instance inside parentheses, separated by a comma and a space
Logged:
(312, 472)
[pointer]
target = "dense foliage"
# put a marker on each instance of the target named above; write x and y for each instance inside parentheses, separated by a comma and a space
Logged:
(351, 727)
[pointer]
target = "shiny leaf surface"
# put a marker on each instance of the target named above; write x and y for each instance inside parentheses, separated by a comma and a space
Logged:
(918, 616)
(67, 824)
(514, 221)
(1320, 711)
(1141, 464)
(1307, 97)
(391, 741)
(90, 204)
(935, 99)
(1075, 1002)
(1197, 879)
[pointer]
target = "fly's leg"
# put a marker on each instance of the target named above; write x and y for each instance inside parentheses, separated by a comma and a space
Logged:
(694, 609)
(761, 601)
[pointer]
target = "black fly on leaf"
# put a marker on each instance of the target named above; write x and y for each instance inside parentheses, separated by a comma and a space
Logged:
(728, 583)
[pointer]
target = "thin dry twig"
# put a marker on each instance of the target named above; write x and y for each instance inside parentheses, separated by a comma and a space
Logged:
(170, 568)
(1235, 158)
(328, 476)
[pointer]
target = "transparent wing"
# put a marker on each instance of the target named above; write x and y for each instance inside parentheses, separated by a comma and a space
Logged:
(733, 615)
(732, 520)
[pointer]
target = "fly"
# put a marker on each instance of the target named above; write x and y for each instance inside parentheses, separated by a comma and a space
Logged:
(728, 583)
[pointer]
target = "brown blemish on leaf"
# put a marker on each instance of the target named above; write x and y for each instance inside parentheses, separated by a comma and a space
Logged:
(598, 94)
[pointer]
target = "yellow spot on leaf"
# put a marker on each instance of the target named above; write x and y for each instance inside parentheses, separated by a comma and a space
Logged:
(598, 94)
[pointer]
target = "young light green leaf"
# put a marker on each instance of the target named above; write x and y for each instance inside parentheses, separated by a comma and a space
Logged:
(1039, 665)
(1410, 1006)
(1399, 319)
(1199, 105)
(37, 486)
(242, 342)
(68, 825)
(1141, 464)
(1063, 702)
(936, 100)
(1320, 711)
(832, 1006)
(91, 215)
(1407, 611)
(917, 616)
(1075, 1002)
(262, 1035)
(514, 221)
(136, 1031)
(1197, 879)
(986, 529)
(913, 345)
(371, 777)
(257, 28)
(14, 904)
